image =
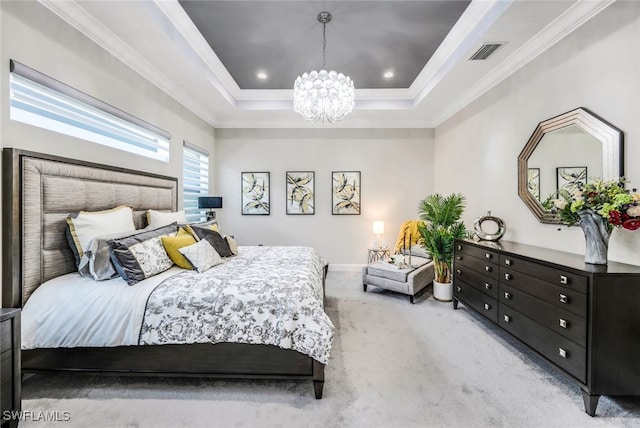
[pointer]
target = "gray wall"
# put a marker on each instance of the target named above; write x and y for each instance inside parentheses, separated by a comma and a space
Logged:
(396, 169)
(596, 67)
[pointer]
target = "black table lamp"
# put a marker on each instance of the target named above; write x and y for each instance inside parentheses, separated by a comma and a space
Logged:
(210, 202)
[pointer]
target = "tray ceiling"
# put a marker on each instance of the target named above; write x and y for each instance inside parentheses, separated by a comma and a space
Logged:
(206, 54)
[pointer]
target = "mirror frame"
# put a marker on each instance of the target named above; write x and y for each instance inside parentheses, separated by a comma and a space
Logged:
(612, 153)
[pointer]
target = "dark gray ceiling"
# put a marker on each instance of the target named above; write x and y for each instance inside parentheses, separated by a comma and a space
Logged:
(284, 38)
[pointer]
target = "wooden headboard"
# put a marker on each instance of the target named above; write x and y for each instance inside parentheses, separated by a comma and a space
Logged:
(39, 191)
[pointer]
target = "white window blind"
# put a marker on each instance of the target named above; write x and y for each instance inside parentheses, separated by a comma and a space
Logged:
(39, 100)
(195, 179)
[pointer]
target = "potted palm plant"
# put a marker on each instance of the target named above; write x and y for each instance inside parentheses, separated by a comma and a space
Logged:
(441, 225)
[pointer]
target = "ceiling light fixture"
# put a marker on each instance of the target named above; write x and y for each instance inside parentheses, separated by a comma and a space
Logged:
(261, 75)
(388, 74)
(326, 95)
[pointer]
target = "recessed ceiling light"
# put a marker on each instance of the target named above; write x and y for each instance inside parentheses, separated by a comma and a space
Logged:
(388, 74)
(261, 75)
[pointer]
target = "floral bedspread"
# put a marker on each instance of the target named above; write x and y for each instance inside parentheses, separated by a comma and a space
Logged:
(264, 295)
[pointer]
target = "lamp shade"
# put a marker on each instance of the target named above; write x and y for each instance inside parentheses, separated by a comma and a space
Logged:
(210, 202)
(378, 227)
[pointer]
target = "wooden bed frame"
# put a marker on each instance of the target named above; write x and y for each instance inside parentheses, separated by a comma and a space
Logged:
(20, 265)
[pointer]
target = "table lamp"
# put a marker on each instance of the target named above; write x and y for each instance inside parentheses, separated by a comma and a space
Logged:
(210, 202)
(378, 229)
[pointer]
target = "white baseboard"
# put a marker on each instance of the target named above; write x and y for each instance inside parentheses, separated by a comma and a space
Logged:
(345, 267)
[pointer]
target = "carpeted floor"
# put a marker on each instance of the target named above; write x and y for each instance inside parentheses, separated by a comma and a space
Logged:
(393, 365)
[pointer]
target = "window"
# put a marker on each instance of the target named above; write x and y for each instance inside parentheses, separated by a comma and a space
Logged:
(195, 179)
(39, 100)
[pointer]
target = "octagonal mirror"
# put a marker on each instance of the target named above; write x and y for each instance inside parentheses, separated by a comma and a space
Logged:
(576, 146)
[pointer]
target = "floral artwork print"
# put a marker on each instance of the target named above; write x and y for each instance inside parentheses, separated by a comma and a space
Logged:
(255, 193)
(346, 193)
(533, 182)
(300, 192)
(571, 178)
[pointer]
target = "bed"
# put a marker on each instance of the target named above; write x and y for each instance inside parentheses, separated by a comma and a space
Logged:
(39, 191)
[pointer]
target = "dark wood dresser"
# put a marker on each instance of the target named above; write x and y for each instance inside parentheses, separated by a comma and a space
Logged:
(584, 319)
(10, 400)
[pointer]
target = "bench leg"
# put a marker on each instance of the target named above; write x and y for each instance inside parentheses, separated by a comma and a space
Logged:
(364, 287)
(412, 299)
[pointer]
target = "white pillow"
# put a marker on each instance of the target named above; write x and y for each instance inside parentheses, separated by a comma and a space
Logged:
(201, 255)
(157, 219)
(87, 225)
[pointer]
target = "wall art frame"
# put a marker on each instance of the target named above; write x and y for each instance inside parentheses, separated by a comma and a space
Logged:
(570, 178)
(533, 182)
(345, 193)
(256, 193)
(301, 194)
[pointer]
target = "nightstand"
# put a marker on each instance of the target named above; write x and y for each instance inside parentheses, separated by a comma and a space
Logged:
(376, 254)
(10, 398)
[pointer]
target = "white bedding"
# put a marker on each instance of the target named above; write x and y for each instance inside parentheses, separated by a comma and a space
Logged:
(74, 311)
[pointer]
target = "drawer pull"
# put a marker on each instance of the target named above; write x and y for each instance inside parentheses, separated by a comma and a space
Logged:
(487, 306)
(459, 258)
(563, 323)
(459, 247)
(562, 353)
(487, 255)
(508, 262)
(507, 318)
(458, 272)
(458, 289)
(507, 295)
(487, 268)
(563, 298)
(507, 276)
(487, 286)
(563, 279)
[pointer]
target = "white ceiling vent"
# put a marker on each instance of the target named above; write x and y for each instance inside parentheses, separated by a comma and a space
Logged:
(485, 51)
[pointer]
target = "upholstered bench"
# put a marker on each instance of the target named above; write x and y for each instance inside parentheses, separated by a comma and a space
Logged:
(410, 281)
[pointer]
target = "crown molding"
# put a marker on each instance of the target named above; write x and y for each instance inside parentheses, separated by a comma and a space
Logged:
(567, 22)
(75, 15)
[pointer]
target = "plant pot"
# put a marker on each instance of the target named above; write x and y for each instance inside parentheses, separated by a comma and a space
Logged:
(443, 291)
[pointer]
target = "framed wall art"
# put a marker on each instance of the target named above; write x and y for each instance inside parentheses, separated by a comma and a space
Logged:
(256, 195)
(570, 177)
(533, 182)
(300, 192)
(345, 199)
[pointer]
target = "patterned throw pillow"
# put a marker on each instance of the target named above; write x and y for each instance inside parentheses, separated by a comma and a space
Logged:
(141, 255)
(233, 246)
(215, 239)
(201, 255)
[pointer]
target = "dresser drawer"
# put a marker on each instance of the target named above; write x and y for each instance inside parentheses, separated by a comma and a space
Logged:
(6, 335)
(477, 300)
(6, 379)
(483, 283)
(559, 320)
(564, 298)
(484, 267)
(563, 352)
(551, 275)
(477, 252)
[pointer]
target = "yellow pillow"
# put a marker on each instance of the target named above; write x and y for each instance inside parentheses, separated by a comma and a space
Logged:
(173, 243)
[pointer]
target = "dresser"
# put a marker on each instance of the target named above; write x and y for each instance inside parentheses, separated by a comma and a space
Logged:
(584, 319)
(9, 366)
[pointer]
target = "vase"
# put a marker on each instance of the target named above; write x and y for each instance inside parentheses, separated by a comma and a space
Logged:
(596, 236)
(442, 291)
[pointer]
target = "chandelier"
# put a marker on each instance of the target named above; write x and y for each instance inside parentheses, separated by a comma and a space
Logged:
(326, 95)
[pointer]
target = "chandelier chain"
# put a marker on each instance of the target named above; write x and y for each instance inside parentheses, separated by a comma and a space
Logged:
(324, 44)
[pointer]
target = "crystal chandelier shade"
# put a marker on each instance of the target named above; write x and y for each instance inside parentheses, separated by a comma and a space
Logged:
(323, 95)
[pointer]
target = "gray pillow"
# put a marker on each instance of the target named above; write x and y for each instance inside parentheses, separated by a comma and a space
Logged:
(215, 239)
(418, 251)
(142, 255)
(96, 260)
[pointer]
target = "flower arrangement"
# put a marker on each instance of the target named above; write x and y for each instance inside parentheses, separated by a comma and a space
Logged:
(617, 206)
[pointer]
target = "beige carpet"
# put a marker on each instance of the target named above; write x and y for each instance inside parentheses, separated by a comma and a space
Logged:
(393, 365)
